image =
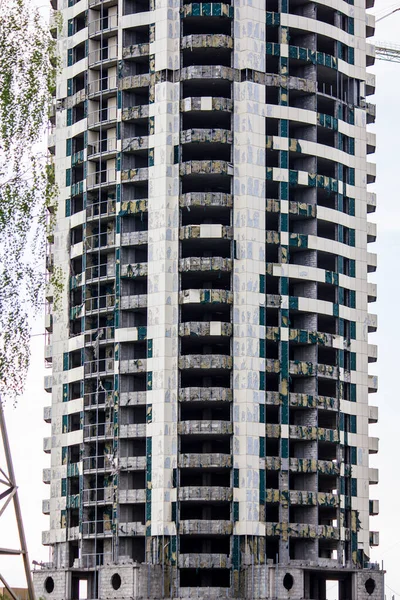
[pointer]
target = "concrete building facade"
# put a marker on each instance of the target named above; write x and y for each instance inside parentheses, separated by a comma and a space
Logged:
(209, 414)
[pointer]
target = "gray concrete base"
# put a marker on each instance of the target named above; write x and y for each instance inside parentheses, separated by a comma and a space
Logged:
(254, 582)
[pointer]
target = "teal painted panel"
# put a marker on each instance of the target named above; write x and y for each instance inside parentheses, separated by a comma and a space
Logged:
(284, 130)
(235, 478)
(236, 553)
(262, 380)
(284, 448)
(284, 286)
(353, 423)
(149, 380)
(262, 486)
(352, 299)
(262, 447)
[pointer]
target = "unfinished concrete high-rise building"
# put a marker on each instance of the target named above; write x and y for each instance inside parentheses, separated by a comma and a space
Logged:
(210, 416)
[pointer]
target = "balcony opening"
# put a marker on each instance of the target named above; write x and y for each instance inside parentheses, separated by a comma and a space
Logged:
(130, 513)
(204, 380)
(301, 514)
(131, 7)
(327, 388)
(132, 448)
(327, 516)
(272, 447)
(206, 57)
(73, 554)
(326, 292)
(135, 191)
(133, 223)
(206, 151)
(303, 132)
(136, 35)
(198, 578)
(137, 66)
(205, 478)
(206, 25)
(132, 415)
(326, 44)
(204, 412)
(272, 549)
(326, 261)
(327, 356)
(327, 419)
(198, 445)
(299, 99)
(301, 449)
(272, 480)
(272, 350)
(133, 351)
(326, 137)
(272, 254)
(73, 486)
(73, 520)
(79, 22)
(327, 483)
(78, 113)
(214, 280)
(135, 480)
(199, 346)
(271, 97)
(204, 545)
(271, 513)
(326, 198)
(302, 482)
(133, 383)
(204, 511)
(74, 423)
(217, 88)
(301, 549)
(272, 382)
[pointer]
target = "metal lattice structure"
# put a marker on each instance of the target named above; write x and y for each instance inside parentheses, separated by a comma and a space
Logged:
(387, 51)
(9, 495)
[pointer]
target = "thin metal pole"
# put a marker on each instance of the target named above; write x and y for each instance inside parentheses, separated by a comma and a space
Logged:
(17, 507)
(8, 588)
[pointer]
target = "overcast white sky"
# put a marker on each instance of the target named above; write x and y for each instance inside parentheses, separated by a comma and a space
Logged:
(27, 428)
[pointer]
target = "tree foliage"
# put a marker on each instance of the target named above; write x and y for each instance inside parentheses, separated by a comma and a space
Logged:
(27, 188)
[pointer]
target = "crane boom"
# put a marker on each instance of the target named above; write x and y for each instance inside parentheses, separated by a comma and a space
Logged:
(387, 51)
